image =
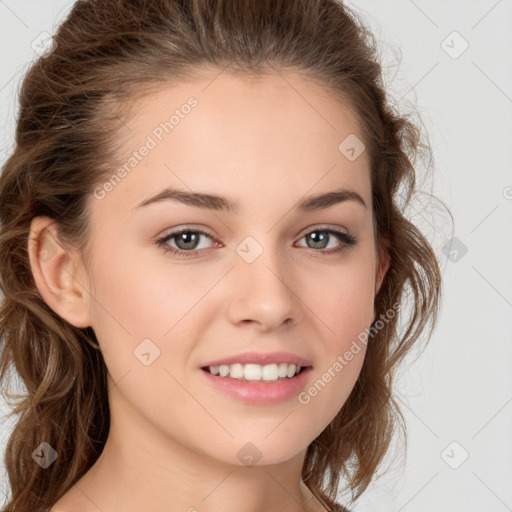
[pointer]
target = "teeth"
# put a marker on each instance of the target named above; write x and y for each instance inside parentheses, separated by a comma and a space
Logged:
(255, 372)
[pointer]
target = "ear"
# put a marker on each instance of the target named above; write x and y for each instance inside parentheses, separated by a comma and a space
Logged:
(58, 274)
(383, 262)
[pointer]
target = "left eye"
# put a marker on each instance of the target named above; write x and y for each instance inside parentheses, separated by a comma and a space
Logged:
(187, 241)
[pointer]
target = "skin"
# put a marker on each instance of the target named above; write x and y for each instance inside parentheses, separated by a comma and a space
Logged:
(174, 440)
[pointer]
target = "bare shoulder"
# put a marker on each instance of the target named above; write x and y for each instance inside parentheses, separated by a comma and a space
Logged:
(72, 501)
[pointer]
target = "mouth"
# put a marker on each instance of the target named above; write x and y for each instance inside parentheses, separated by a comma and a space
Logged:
(255, 372)
(257, 390)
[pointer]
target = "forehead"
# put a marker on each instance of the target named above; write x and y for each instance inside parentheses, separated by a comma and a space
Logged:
(277, 135)
(231, 102)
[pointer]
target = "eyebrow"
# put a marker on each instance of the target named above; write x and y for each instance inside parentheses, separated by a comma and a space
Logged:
(220, 203)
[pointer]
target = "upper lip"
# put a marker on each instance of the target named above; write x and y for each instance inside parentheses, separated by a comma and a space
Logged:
(261, 358)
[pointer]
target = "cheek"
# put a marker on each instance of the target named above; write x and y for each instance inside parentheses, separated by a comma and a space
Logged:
(343, 303)
(343, 299)
(141, 308)
(134, 309)
(139, 299)
(345, 315)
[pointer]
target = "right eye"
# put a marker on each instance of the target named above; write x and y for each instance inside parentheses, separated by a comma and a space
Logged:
(188, 238)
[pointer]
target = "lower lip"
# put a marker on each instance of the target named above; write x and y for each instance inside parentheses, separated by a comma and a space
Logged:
(260, 392)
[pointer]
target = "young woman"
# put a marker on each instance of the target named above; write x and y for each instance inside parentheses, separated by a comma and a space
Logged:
(205, 260)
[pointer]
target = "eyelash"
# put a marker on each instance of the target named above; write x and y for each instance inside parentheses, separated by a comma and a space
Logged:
(347, 239)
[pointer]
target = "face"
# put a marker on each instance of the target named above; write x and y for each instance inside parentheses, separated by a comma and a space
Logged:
(265, 276)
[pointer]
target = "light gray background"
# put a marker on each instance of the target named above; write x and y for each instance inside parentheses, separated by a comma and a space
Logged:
(460, 389)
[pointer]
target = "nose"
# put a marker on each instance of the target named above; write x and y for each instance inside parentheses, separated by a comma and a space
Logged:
(263, 293)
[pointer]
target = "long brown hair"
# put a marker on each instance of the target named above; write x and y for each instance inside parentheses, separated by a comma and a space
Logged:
(71, 105)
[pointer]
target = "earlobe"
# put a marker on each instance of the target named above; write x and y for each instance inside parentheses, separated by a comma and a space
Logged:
(55, 273)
